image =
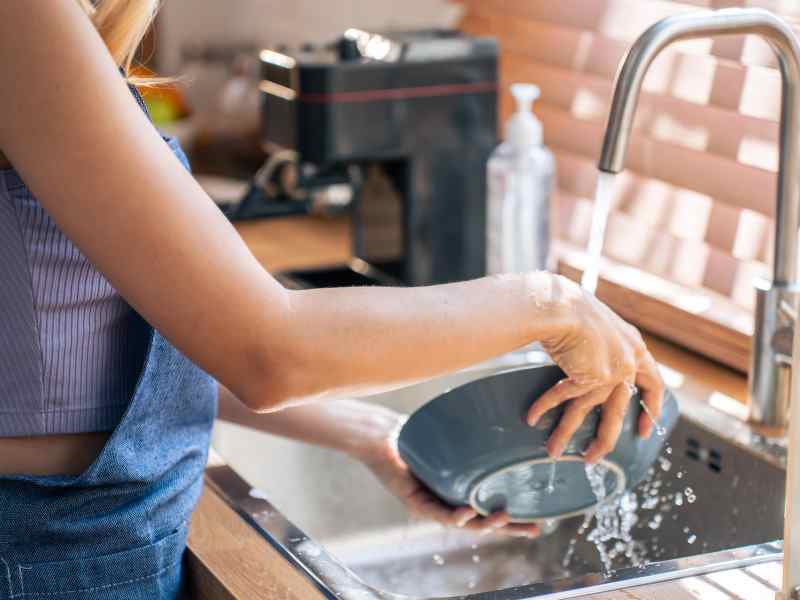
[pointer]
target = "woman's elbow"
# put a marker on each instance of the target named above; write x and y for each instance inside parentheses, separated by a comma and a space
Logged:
(273, 385)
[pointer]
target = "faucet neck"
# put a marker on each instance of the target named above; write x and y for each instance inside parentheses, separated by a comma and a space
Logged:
(702, 24)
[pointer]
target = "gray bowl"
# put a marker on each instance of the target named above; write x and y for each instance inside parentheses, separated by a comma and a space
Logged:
(472, 446)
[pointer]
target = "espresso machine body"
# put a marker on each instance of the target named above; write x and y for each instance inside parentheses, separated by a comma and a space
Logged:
(409, 120)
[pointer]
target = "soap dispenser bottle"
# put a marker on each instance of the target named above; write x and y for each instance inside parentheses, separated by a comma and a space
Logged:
(519, 180)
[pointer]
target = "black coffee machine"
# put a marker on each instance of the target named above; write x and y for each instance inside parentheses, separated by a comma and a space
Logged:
(404, 123)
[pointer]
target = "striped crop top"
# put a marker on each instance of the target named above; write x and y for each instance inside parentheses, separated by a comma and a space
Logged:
(71, 348)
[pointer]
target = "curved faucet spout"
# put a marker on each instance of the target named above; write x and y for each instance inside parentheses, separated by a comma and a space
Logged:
(702, 24)
(769, 374)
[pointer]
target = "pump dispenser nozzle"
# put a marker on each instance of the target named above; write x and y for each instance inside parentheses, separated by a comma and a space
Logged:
(525, 94)
(520, 178)
(523, 129)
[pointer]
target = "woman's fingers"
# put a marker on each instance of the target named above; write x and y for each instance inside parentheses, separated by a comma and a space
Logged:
(572, 419)
(489, 524)
(613, 416)
(425, 504)
(564, 390)
(528, 530)
(462, 515)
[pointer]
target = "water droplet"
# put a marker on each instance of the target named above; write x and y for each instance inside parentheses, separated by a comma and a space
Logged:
(438, 559)
(669, 450)
(476, 558)
(692, 539)
(655, 522)
(659, 429)
(308, 548)
(679, 474)
(551, 480)
(258, 494)
(686, 530)
(650, 503)
(678, 499)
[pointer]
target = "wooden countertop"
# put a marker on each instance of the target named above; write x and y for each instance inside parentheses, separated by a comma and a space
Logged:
(227, 559)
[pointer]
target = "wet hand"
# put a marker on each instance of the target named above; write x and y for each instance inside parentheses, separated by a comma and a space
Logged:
(605, 360)
(386, 464)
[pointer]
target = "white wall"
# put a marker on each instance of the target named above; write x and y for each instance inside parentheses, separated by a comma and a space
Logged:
(271, 22)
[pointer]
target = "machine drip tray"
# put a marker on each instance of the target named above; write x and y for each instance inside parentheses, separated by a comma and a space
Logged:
(355, 273)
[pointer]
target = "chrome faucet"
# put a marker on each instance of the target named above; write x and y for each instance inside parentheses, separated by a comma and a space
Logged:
(770, 373)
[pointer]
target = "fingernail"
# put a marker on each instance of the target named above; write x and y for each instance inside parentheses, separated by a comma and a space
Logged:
(464, 520)
(555, 451)
(588, 455)
(532, 421)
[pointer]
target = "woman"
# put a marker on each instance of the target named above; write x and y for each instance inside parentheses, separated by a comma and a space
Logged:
(105, 414)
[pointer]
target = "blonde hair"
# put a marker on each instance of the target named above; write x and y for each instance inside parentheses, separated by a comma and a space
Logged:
(123, 24)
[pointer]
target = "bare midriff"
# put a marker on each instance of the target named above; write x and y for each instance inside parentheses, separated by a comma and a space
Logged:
(62, 454)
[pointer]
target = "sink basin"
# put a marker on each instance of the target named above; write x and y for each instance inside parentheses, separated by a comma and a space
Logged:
(331, 519)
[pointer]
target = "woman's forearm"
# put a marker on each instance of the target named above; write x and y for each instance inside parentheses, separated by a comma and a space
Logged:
(357, 341)
(350, 426)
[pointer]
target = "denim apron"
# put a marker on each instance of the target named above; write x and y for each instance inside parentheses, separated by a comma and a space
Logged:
(118, 530)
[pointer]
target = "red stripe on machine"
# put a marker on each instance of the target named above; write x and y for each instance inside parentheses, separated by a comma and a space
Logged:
(427, 91)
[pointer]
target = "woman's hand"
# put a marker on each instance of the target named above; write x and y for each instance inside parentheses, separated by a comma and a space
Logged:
(386, 464)
(605, 359)
(368, 433)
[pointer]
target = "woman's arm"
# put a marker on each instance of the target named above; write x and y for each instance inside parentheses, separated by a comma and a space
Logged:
(358, 429)
(71, 128)
(367, 433)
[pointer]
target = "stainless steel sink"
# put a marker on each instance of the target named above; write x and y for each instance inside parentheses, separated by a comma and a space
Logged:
(335, 522)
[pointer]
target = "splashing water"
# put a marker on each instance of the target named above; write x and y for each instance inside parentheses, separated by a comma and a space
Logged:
(616, 517)
(597, 233)
(614, 521)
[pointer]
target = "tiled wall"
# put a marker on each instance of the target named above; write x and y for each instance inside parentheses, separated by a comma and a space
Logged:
(270, 22)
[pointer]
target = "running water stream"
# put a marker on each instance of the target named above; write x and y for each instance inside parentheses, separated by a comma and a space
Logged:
(615, 517)
(591, 273)
(597, 232)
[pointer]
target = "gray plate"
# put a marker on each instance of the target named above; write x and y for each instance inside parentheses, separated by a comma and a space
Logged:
(472, 445)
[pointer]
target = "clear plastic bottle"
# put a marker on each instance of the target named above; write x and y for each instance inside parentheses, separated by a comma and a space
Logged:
(519, 179)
